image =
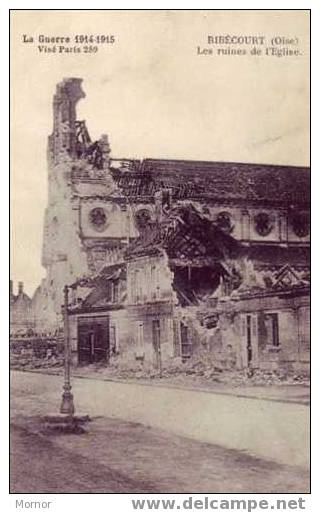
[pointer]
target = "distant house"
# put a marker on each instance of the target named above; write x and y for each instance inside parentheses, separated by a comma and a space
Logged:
(21, 311)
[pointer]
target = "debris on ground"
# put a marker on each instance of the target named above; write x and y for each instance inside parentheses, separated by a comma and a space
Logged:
(29, 361)
(204, 371)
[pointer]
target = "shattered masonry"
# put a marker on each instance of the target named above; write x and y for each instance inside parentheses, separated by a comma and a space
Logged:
(180, 258)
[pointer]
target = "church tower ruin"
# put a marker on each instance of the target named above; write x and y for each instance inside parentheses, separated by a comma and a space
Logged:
(85, 220)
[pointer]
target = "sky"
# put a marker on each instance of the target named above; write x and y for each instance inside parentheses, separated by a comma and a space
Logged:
(155, 96)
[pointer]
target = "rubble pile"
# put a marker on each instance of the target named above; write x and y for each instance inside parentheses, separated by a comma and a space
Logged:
(275, 377)
(202, 371)
(28, 361)
(197, 371)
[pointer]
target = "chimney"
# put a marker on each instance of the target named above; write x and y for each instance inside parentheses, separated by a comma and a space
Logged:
(20, 288)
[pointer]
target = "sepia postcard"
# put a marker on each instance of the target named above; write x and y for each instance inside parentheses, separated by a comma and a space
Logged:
(160, 253)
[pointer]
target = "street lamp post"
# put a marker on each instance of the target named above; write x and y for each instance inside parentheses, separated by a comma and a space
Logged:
(67, 406)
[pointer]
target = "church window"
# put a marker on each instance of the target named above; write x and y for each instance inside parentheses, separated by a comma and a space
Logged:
(142, 218)
(300, 224)
(224, 222)
(263, 224)
(98, 218)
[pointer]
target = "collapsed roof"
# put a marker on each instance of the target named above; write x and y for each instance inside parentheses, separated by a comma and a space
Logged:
(220, 181)
(186, 236)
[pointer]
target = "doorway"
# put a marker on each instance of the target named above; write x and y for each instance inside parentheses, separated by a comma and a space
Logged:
(156, 342)
(186, 346)
(249, 340)
(93, 340)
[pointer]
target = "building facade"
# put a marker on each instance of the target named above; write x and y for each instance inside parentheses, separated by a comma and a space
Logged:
(175, 253)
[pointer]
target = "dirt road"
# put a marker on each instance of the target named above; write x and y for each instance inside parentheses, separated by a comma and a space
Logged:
(119, 454)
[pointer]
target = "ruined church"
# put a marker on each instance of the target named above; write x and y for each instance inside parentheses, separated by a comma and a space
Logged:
(171, 258)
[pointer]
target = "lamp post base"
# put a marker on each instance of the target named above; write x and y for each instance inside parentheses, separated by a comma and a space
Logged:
(65, 424)
(67, 406)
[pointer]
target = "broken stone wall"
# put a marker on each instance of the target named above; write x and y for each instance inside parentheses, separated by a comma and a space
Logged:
(292, 350)
(132, 335)
(65, 256)
(140, 340)
(211, 338)
(226, 344)
(149, 280)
